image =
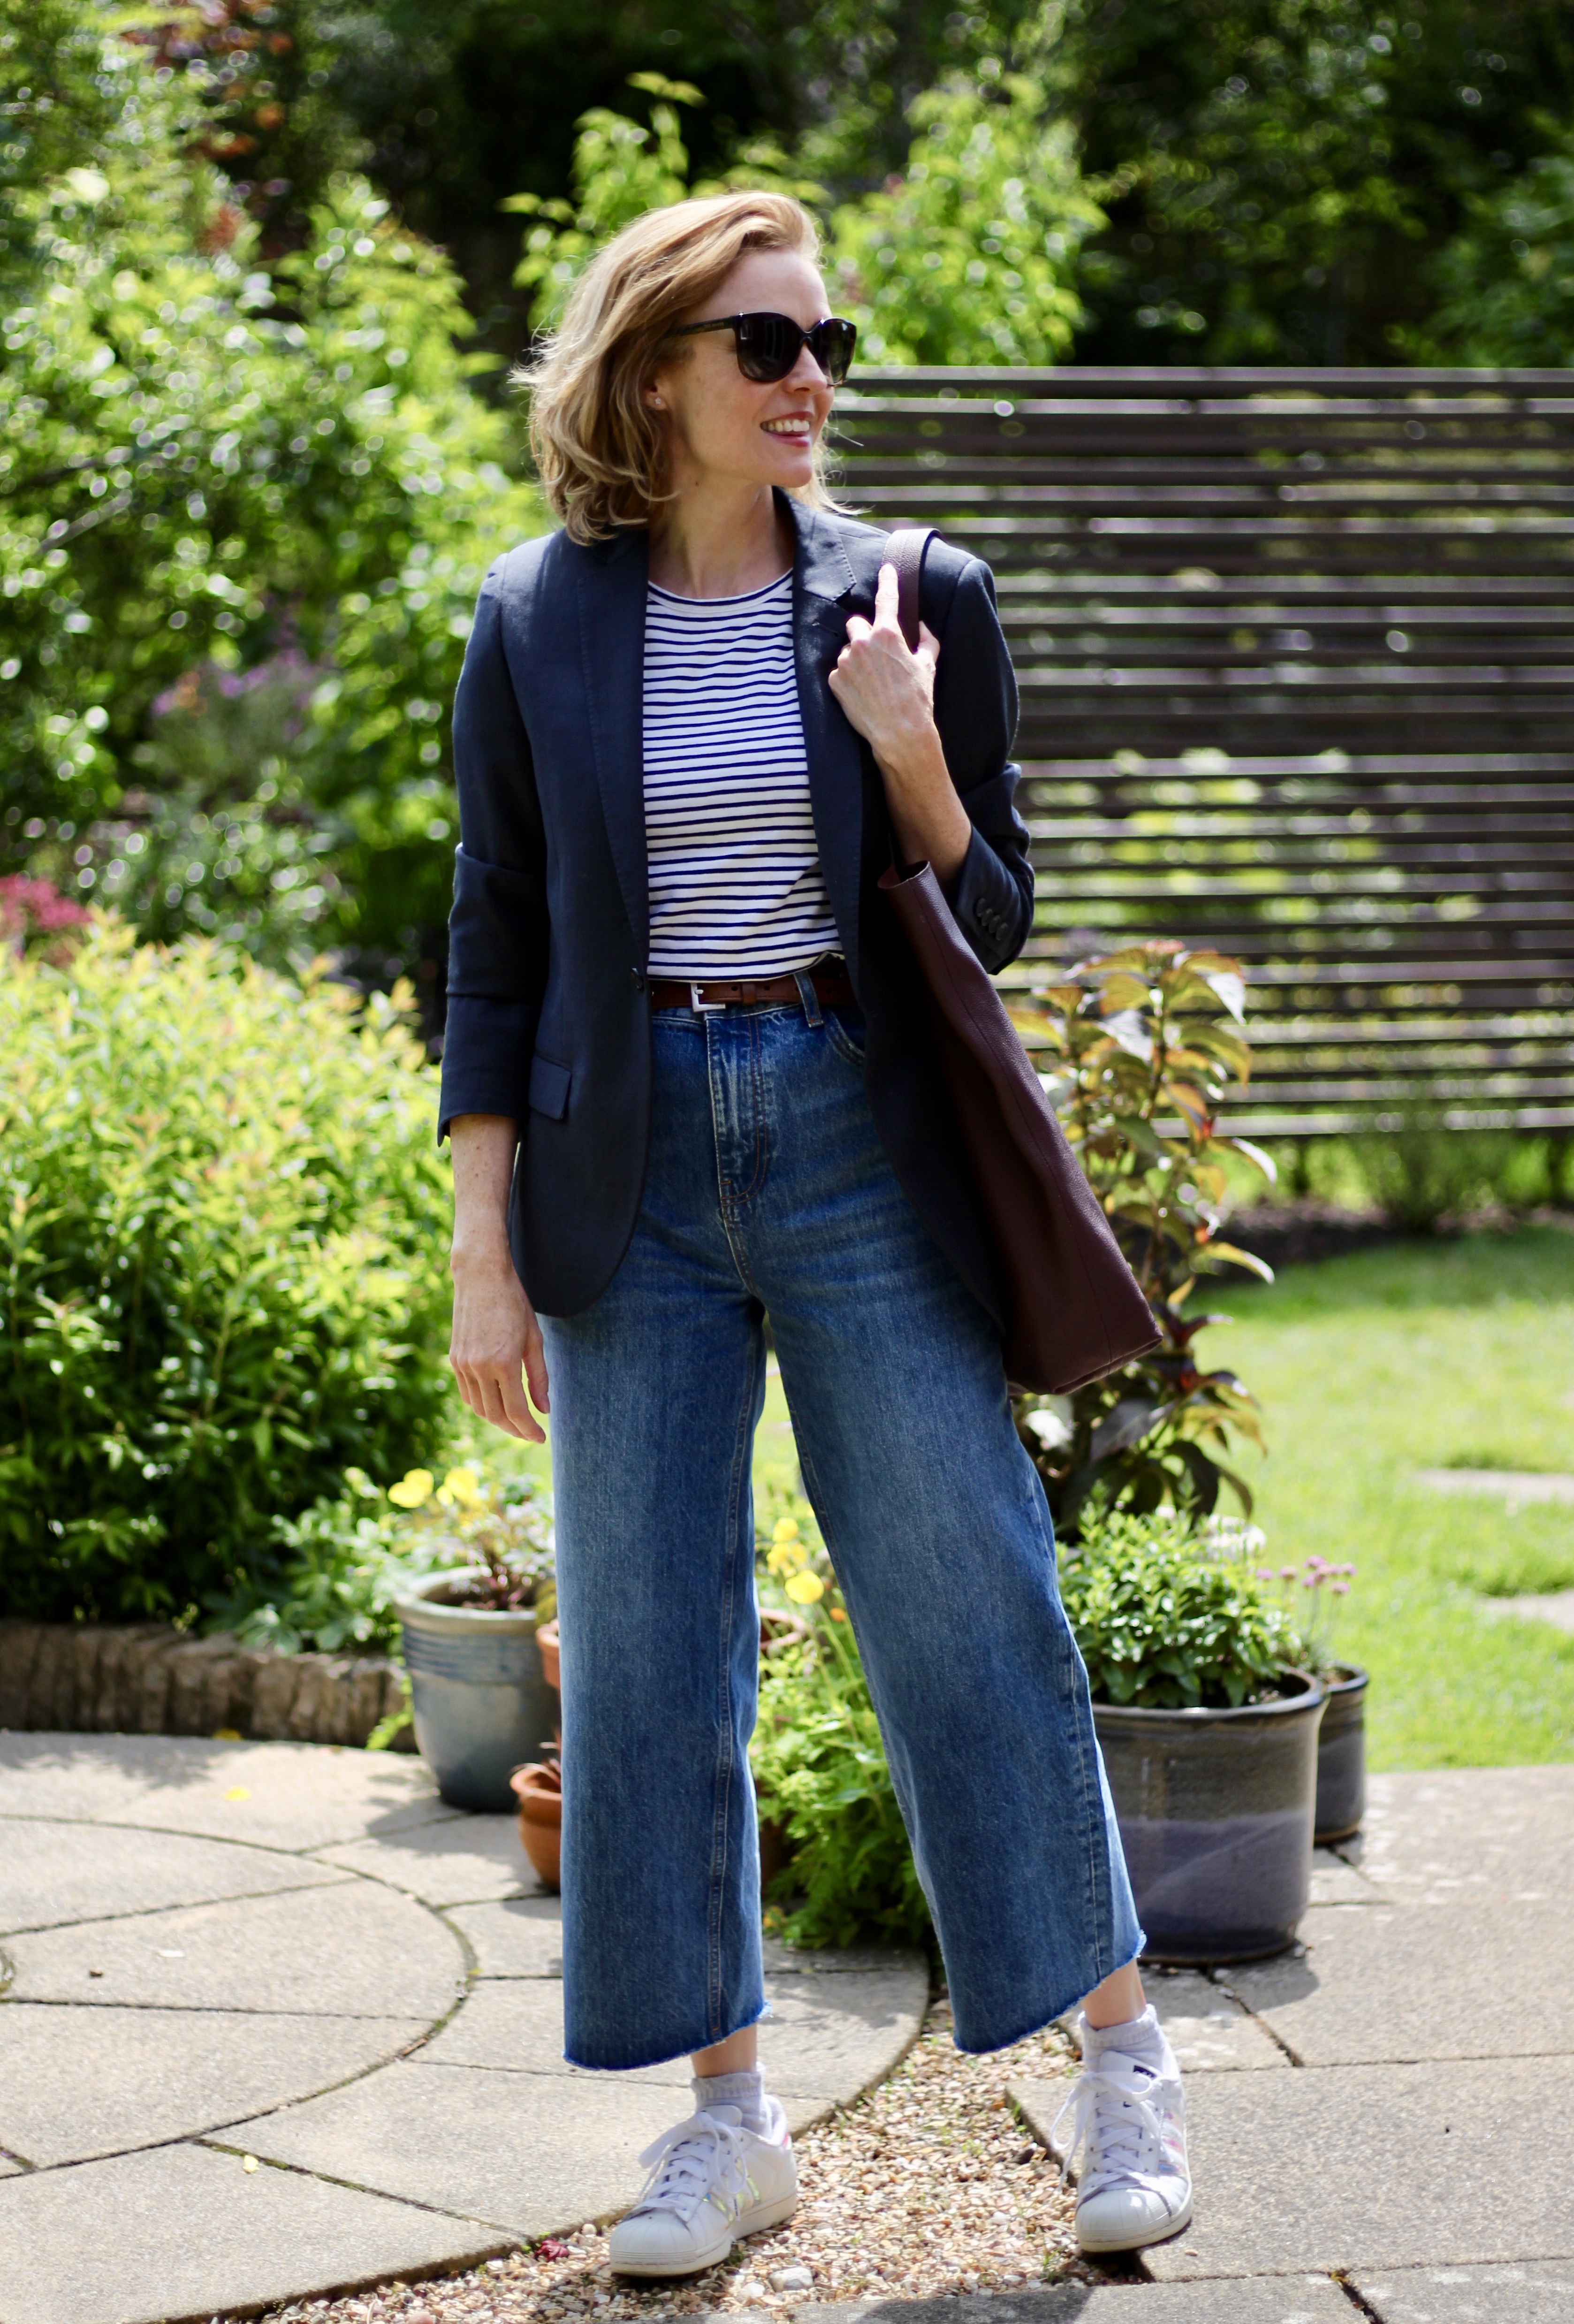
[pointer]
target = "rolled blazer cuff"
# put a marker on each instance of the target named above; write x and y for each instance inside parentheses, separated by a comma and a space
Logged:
(497, 933)
(487, 1049)
(988, 906)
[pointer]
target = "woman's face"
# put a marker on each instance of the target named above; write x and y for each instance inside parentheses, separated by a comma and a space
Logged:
(721, 425)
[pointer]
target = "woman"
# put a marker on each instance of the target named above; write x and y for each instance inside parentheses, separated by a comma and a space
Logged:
(688, 1084)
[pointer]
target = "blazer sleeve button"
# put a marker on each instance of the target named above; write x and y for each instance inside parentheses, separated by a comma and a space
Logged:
(638, 976)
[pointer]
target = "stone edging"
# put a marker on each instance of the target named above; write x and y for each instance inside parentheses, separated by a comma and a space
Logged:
(145, 1678)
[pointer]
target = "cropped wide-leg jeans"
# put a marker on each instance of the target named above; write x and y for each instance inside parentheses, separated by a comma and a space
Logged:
(768, 1192)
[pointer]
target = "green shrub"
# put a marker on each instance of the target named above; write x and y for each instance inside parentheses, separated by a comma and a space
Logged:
(224, 1212)
(1167, 1623)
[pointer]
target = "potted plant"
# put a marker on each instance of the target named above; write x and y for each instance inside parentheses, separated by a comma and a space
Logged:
(1208, 1722)
(478, 1692)
(539, 1789)
(1138, 1049)
(1314, 1594)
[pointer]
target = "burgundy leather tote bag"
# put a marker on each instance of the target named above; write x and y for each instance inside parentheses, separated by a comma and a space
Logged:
(1073, 1309)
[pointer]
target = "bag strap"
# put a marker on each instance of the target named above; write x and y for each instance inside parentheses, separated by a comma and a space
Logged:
(906, 549)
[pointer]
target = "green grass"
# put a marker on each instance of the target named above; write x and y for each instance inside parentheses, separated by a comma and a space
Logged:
(1424, 1356)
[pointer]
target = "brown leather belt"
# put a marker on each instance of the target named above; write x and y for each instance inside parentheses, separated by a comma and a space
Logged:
(832, 990)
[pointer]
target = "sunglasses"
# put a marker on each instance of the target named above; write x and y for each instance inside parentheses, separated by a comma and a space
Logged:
(769, 346)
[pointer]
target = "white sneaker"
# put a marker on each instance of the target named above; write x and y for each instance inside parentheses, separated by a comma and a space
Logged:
(711, 2181)
(1134, 2187)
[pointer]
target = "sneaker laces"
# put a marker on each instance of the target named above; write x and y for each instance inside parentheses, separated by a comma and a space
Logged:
(694, 2160)
(1114, 2116)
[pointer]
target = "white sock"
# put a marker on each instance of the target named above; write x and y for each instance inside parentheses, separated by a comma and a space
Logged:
(745, 2091)
(1142, 2038)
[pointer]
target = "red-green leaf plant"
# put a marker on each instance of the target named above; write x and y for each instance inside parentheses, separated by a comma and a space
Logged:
(1138, 1049)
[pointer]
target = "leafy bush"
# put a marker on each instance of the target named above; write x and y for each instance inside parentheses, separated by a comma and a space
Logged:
(338, 1569)
(1421, 1171)
(820, 1765)
(223, 1210)
(1165, 1624)
(1141, 1046)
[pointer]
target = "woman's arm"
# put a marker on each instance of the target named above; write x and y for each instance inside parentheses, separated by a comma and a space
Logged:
(496, 1336)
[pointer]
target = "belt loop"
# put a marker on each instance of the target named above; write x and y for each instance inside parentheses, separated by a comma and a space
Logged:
(804, 979)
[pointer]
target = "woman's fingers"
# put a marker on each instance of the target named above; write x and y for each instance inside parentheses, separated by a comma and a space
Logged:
(887, 599)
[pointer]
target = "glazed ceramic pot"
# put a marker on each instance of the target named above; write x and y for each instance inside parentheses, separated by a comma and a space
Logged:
(1341, 1755)
(478, 1694)
(1216, 1808)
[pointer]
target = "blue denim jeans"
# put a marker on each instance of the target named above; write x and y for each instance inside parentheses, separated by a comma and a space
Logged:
(768, 1192)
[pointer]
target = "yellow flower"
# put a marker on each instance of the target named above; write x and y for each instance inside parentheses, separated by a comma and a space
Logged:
(804, 1589)
(445, 1497)
(785, 1530)
(464, 1486)
(412, 1490)
(787, 1557)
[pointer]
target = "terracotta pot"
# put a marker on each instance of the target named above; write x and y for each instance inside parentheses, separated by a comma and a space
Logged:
(540, 1823)
(547, 1639)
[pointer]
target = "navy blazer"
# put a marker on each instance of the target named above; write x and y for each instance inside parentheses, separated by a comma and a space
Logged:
(548, 1016)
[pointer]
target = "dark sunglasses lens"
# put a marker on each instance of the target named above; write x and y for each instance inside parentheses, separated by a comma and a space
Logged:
(831, 342)
(768, 346)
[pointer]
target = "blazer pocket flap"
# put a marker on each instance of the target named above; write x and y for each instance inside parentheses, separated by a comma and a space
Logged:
(549, 1087)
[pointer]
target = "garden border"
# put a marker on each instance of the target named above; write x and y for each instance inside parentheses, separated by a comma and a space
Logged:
(148, 1678)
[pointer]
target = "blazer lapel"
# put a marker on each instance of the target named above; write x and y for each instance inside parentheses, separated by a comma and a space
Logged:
(611, 647)
(822, 579)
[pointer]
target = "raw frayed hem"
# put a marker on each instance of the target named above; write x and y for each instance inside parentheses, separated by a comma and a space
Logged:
(664, 2057)
(1041, 2025)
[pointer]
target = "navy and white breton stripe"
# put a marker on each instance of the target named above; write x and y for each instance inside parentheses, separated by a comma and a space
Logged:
(735, 884)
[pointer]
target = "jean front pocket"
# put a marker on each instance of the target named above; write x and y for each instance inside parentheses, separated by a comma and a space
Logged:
(846, 1031)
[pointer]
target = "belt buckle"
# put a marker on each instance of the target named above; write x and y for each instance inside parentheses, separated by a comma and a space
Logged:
(703, 1008)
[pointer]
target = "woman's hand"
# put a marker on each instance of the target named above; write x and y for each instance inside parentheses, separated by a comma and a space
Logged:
(496, 1337)
(887, 693)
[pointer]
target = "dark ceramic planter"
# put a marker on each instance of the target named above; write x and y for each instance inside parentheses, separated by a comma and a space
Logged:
(1341, 1755)
(480, 1699)
(1215, 1809)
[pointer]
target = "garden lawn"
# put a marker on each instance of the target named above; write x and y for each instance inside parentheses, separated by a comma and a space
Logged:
(1453, 1355)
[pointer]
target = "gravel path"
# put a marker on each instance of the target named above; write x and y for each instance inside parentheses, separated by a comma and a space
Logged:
(928, 2185)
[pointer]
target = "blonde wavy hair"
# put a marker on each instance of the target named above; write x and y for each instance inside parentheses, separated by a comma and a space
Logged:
(597, 446)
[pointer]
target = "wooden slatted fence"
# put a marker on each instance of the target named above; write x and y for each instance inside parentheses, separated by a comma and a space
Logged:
(1296, 652)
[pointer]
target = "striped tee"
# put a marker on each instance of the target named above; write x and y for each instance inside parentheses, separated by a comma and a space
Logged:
(735, 870)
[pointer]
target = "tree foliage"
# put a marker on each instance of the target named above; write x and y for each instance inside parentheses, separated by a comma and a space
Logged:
(209, 462)
(969, 254)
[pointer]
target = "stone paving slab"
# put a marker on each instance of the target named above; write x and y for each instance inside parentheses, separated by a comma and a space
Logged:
(534, 2153)
(1369, 2167)
(1337, 1880)
(346, 1950)
(299, 1795)
(519, 1936)
(76, 2083)
(53, 1873)
(181, 2233)
(1277, 2300)
(1535, 2294)
(1208, 2030)
(475, 1859)
(823, 2039)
